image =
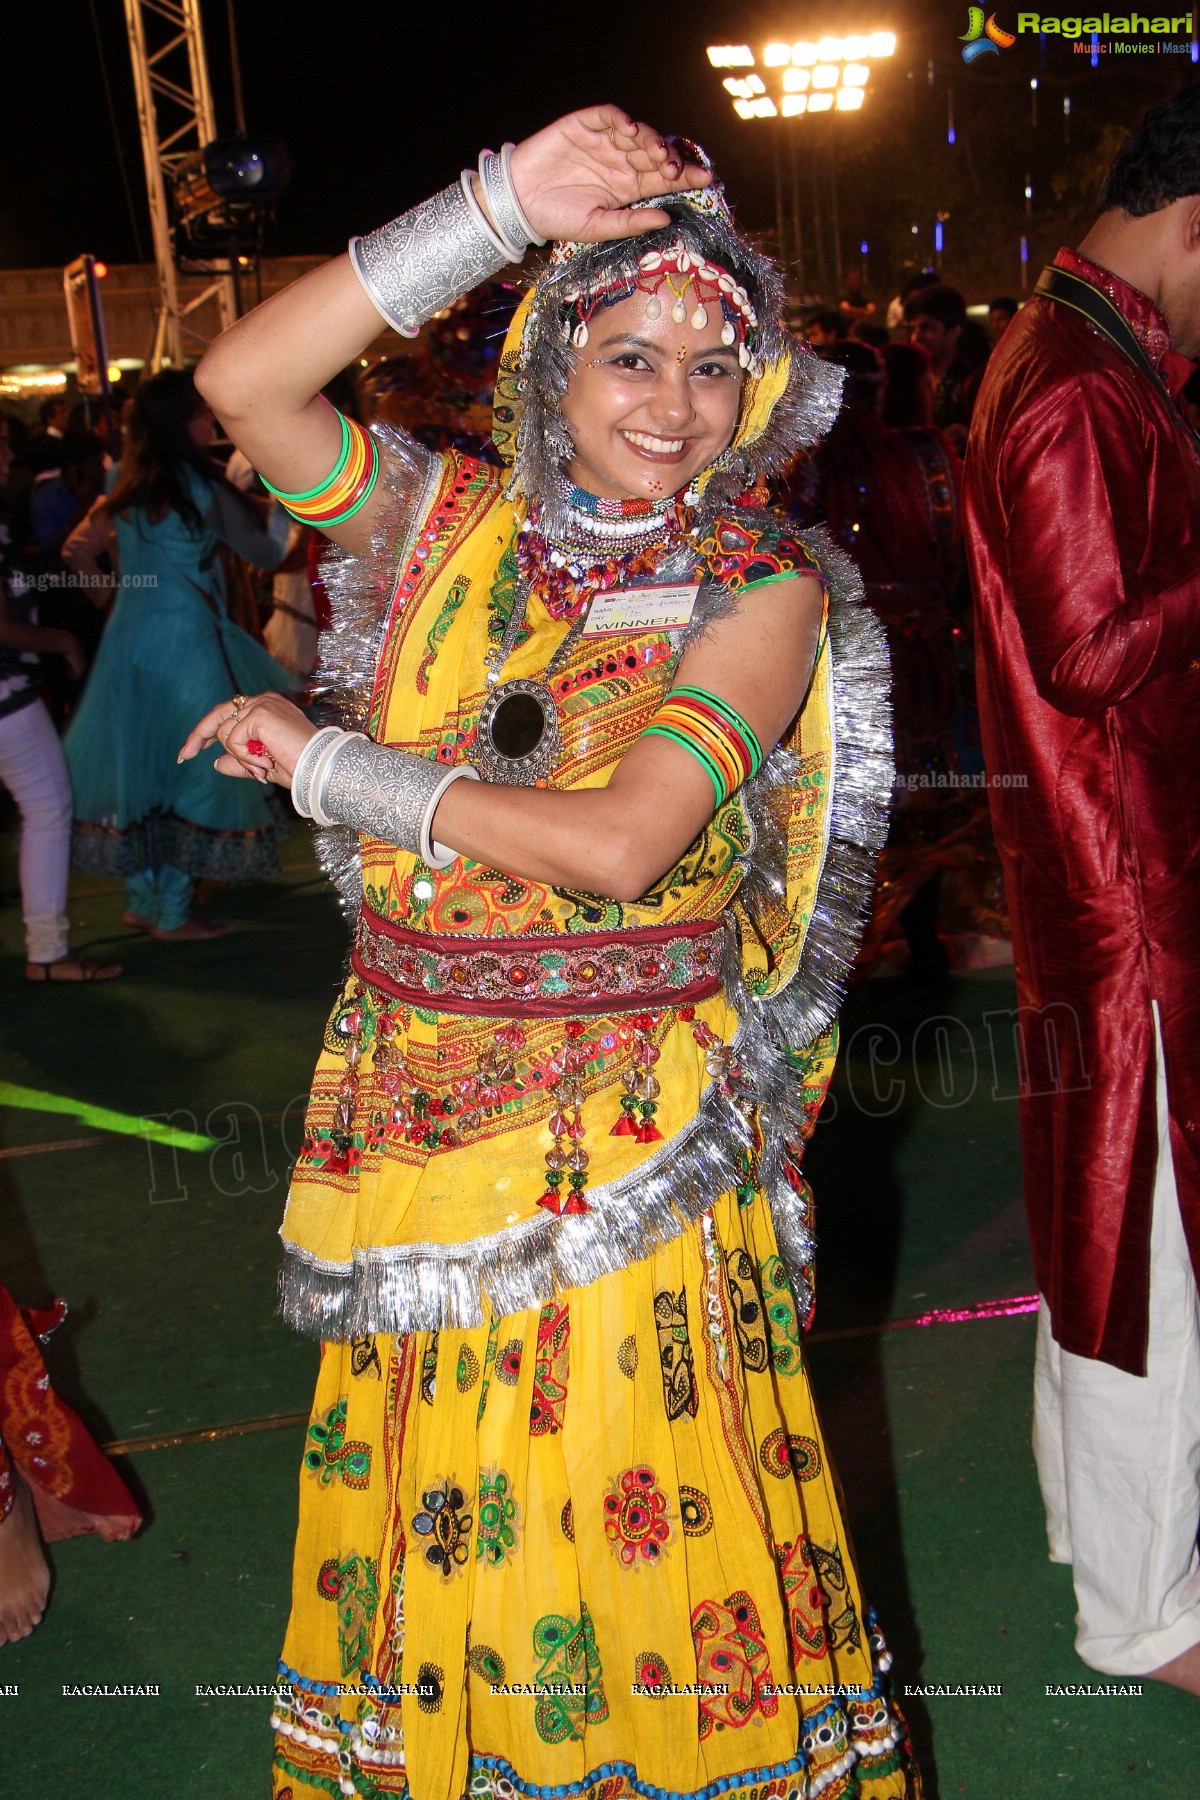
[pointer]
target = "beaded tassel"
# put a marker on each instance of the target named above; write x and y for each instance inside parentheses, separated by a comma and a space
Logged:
(406, 1102)
(712, 1294)
(414, 1113)
(718, 1057)
(483, 1092)
(639, 1101)
(568, 1160)
(343, 1112)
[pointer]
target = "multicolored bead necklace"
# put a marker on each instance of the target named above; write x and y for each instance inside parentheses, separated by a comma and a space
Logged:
(600, 545)
(517, 738)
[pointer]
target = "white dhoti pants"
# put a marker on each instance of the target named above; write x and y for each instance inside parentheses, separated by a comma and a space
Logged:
(33, 771)
(1118, 1460)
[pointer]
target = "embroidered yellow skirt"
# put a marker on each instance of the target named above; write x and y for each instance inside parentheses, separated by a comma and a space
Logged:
(593, 1551)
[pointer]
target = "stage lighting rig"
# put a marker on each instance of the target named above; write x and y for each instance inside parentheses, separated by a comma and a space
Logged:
(225, 195)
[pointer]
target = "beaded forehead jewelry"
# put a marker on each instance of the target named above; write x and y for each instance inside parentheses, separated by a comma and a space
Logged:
(677, 269)
(789, 397)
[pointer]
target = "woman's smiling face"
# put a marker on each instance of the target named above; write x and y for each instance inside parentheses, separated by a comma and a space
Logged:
(650, 403)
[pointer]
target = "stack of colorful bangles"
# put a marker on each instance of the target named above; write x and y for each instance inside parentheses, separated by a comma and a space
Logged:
(348, 487)
(712, 731)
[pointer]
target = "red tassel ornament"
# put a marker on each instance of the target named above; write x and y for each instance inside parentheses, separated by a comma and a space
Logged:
(567, 1160)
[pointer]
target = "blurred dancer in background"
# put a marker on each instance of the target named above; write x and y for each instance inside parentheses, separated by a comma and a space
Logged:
(55, 1481)
(169, 643)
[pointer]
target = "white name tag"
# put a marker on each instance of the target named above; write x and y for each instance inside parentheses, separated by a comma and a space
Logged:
(640, 609)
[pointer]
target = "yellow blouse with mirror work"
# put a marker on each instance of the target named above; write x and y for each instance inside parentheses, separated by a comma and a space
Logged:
(492, 1024)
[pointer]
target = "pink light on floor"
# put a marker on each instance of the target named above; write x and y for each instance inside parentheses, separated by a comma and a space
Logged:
(958, 1315)
(939, 1315)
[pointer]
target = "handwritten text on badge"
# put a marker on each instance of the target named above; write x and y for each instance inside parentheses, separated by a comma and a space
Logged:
(640, 609)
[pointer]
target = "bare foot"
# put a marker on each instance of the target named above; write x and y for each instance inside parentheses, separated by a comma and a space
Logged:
(1182, 1671)
(192, 931)
(24, 1577)
(139, 921)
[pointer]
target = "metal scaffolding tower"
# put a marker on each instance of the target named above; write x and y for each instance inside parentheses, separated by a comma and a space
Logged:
(175, 118)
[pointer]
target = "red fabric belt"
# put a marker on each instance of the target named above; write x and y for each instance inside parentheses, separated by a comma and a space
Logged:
(554, 977)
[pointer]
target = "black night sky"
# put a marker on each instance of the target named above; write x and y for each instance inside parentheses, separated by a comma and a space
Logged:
(380, 104)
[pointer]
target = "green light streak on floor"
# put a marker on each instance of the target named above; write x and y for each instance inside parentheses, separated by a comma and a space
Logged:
(128, 1124)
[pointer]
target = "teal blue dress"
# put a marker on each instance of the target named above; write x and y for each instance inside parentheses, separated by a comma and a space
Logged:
(170, 652)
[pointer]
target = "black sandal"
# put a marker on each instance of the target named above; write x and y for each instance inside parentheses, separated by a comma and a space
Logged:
(89, 970)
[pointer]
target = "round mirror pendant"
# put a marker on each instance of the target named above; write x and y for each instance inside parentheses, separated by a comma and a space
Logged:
(518, 741)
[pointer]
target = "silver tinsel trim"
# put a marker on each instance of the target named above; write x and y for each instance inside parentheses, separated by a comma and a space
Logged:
(796, 1014)
(415, 1287)
(361, 587)
(421, 1287)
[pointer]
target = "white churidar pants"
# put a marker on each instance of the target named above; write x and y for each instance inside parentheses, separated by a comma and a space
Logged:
(1118, 1459)
(33, 771)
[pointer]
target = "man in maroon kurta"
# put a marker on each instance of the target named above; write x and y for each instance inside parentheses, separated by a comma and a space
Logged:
(1083, 518)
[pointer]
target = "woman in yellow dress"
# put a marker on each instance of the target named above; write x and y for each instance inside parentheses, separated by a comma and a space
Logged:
(604, 798)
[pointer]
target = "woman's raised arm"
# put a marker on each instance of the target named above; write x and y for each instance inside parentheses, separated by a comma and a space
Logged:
(576, 179)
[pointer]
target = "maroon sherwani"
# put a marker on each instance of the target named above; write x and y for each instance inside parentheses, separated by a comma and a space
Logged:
(1082, 501)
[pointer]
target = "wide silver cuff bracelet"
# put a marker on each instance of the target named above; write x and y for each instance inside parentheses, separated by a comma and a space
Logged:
(387, 794)
(426, 259)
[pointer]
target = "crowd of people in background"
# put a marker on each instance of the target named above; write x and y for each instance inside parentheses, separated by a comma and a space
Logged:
(886, 482)
(128, 548)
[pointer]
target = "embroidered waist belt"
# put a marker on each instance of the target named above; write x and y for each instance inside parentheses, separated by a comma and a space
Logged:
(547, 977)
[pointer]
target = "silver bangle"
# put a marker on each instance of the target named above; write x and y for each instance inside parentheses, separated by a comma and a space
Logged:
(509, 220)
(425, 259)
(506, 151)
(318, 781)
(512, 253)
(387, 794)
(438, 856)
(306, 762)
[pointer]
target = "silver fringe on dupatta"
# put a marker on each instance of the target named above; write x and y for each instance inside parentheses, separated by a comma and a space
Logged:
(421, 1287)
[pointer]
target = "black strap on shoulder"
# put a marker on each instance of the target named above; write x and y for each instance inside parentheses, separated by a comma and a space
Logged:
(1072, 291)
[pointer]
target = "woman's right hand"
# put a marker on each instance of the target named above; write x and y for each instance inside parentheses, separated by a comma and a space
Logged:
(277, 729)
(577, 178)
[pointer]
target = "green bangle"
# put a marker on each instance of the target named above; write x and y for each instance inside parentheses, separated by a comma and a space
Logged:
(369, 480)
(735, 719)
(694, 749)
(312, 492)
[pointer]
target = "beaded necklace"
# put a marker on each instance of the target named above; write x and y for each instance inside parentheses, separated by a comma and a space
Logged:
(599, 546)
(599, 543)
(600, 507)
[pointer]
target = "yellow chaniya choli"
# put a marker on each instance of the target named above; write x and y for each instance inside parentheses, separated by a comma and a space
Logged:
(567, 1523)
